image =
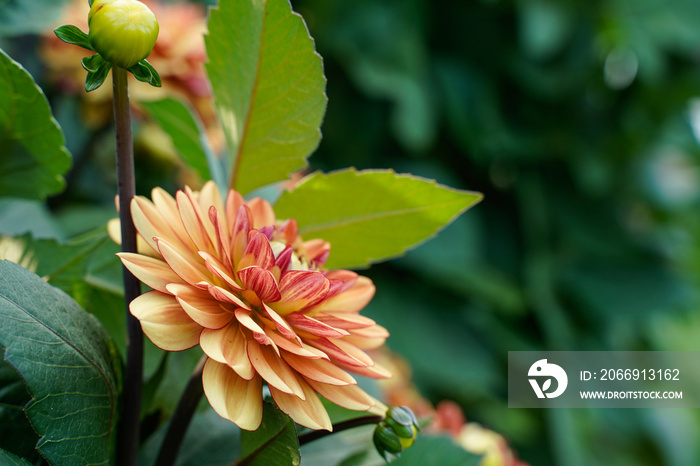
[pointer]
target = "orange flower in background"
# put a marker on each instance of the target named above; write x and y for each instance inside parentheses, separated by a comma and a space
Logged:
(229, 276)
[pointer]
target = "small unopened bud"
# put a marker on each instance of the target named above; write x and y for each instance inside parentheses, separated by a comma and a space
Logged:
(122, 31)
(396, 432)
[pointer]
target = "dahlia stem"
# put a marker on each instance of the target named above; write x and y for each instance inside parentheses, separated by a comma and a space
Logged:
(339, 427)
(182, 416)
(128, 430)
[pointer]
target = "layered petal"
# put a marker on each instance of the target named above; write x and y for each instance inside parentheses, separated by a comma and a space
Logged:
(164, 321)
(308, 412)
(233, 397)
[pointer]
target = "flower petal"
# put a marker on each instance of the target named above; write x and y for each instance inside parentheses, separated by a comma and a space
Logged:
(114, 230)
(155, 273)
(319, 369)
(273, 369)
(281, 324)
(153, 221)
(219, 269)
(347, 396)
(228, 346)
(258, 252)
(303, 350)
(189, 268)
(376, 371)
(309, 412)
(164, 322)
(340, 351)
(317, 328)
(199, 305)
(368, 338)
(345, 320)
(200, 233)
(261, 281)
(244, 318)
(352, 300)
(263, 214)
(226, 296)
(300, 289)
(210, 196)
(232, 397)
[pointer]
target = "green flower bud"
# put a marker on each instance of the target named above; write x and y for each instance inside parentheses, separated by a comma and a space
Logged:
(396, 432)
(122, 31)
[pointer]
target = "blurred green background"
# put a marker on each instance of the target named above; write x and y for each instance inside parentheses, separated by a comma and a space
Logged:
(578, 120)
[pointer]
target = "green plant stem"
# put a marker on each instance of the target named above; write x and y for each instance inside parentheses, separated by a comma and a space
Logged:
(339, 427)
(128, 430)
(182, 416)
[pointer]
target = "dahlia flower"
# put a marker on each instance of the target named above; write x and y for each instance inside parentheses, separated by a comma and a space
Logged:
(229, 276)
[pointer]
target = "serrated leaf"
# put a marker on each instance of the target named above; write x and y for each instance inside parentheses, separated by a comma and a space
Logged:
(67, 361)
(275, 443)
(188, 136)
(34, 156)
(73, 35)
(371, 215)
(269, 89)
(8, 459)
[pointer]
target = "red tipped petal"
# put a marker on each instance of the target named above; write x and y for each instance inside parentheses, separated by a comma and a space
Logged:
(317, 328)
(345, 320)
(353, 299)
(219, 269)
(226, 296)
(262, 282)
(301, 289)
(339, 352)
(257, 253)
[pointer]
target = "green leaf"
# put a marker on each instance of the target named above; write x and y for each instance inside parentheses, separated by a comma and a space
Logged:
(145, 72)
(8, 459)
(28, 16)
(16, 433)
(268, 87)
(371, 215)
(73, 35)
(98, 70)
(155, 80)
(67, 361)
(275, 443)
(186, 131)
(33, 153)
(436, 450)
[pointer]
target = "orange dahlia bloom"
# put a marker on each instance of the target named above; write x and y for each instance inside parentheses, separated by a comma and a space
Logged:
(229, 276)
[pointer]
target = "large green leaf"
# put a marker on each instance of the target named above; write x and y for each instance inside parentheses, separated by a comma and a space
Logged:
(68, 363)
(269, 89)
(371, 215)
(188, 136)
(33, 153)
(275, 443)
(16, 433)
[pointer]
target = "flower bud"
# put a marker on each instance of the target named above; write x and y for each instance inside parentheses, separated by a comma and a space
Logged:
(122, 31)
(396, 432)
